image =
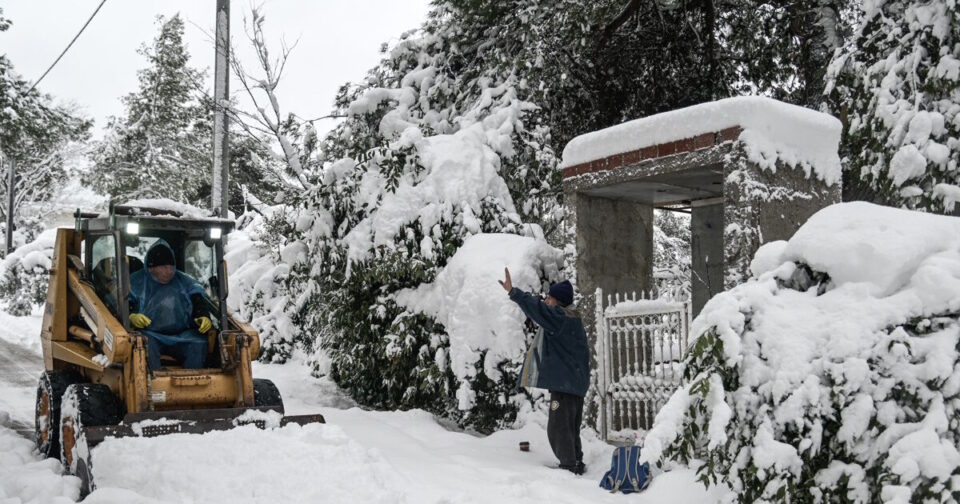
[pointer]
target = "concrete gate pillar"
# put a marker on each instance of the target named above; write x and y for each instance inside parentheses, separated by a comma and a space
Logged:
(614, 248)
(706, 243)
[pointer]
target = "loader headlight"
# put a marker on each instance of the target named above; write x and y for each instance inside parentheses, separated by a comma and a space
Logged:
(133, 228)
(215, 233)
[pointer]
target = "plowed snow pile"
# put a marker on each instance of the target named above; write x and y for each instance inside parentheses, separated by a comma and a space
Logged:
(314, 463)
(28, 479)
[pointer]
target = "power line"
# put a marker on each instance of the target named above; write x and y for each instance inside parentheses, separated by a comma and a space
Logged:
(68, 46)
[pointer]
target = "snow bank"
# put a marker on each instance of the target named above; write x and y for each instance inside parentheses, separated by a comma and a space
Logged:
(316, 463)
(772, 131)
(873, 343)
(476, 312)
(27, 478)
(23, 331)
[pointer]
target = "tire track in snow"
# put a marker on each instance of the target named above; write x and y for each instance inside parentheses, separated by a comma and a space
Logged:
(20, 369)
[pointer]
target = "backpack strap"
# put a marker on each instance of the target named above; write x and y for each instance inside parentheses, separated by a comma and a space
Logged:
(623, 460)
(608, 481)
(633, 465)
(645, 475)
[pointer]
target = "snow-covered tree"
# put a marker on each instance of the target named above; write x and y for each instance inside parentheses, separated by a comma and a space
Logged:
(782, 49)
(161, 146)
(454, 133)
(429, 155)
(671, 250)
(36, 134)
(290, 142)
(897, 87)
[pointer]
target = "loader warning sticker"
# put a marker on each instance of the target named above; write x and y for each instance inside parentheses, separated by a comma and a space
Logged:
(108, 338)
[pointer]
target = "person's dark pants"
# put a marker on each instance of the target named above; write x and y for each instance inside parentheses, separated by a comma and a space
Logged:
(191, 354)
(563, 430)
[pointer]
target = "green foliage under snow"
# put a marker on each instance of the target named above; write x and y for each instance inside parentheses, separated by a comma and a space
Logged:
(896, 85)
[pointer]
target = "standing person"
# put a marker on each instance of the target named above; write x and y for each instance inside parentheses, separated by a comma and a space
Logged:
(168, 309)
(559, 361)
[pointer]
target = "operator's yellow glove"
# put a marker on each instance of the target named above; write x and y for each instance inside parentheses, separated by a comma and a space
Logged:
(139, 320)
(203, 324)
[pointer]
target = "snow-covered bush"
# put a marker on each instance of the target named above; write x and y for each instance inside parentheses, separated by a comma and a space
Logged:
(259, 261)
(834, 374)
(25, 274)
(480, 347)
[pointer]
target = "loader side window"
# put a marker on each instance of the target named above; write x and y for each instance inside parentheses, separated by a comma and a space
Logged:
(103, 270)
(200, 263)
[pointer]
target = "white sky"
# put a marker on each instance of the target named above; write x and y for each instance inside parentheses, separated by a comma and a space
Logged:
(339, 42)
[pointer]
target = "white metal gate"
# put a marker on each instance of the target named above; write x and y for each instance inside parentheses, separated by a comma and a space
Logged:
(642, 345)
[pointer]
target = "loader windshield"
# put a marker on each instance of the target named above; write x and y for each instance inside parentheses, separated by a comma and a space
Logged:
(193, 257)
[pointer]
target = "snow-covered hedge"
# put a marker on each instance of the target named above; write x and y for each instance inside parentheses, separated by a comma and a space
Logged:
(483, 339)
(259, 261)
(834, 374)
(426, 158)
(25, 274)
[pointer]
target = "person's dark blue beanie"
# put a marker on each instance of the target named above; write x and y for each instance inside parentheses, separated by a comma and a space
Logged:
(562, 292)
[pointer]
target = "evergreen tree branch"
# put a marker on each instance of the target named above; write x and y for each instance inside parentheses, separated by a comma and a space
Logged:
(628, 10)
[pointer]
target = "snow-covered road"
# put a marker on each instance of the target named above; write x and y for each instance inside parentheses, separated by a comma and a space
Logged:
(18, 381)
(20, 367)
(358, 456)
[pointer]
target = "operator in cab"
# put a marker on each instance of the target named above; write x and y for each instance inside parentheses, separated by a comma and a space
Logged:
(166, 305)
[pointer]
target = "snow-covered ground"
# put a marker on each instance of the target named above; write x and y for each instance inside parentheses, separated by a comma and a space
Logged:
(357, 456)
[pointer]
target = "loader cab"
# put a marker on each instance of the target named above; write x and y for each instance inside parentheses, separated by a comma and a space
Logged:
(115, 247)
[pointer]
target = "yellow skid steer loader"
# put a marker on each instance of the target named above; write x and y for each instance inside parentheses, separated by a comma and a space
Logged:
(97, 383)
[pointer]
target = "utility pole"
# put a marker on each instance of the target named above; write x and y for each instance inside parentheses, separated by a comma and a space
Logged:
(10, 188)
(221, 95)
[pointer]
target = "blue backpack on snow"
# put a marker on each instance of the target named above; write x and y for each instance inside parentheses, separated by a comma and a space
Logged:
(626, 474)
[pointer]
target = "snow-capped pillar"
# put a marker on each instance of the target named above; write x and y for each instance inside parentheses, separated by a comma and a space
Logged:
(764, 205)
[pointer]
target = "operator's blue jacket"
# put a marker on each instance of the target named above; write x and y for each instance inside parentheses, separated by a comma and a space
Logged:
(559, 358)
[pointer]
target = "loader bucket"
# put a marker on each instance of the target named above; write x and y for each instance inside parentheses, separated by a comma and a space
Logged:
(159, 423)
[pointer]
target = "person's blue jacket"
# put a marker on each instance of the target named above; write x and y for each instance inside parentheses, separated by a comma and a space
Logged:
(169, 306)
(559, 358)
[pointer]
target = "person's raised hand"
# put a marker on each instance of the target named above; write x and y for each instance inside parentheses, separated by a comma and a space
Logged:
(507, 284)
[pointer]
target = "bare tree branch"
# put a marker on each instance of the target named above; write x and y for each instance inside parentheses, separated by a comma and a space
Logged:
(271, 69)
